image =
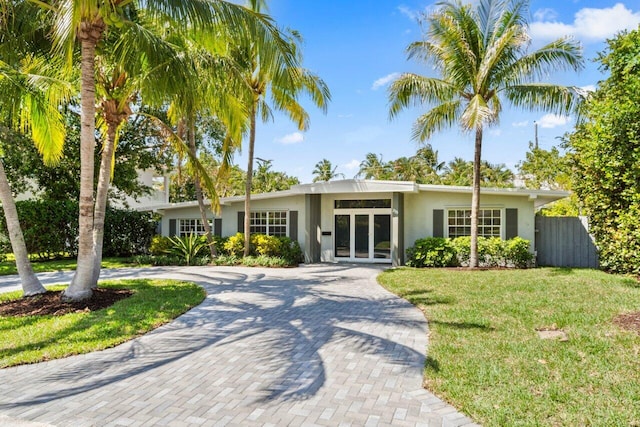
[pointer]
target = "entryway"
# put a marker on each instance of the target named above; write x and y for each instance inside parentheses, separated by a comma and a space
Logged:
(362, 235)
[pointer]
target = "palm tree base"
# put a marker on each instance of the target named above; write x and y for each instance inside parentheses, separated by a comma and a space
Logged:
(76, 296)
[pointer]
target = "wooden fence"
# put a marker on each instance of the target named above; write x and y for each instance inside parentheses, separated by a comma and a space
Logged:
(565, 242)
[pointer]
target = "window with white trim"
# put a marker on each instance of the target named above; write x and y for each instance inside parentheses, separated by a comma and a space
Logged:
(271, 223)
(489, 222)
(192, 226)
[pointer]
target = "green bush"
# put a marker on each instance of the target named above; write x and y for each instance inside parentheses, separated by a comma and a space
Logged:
(492, 252)
(50, 229)
(516, 253)
(189, 249)
(431, 252)
(234, 245)
(160, 245)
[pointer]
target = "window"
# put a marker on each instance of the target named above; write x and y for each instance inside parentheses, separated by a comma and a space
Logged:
(362, 204)
(271, 223)
(489, 222)
(191, 226)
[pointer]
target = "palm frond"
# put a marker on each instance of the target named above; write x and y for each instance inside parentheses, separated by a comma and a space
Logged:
(546, 97)
(438, 118)
(412, 89)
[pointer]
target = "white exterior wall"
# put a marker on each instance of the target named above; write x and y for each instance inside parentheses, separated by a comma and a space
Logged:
(292, 203)
(328, 223)
(418, 212)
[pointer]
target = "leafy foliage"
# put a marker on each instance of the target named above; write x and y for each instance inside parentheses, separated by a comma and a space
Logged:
(51, 228)
(605, 155)
(492, 252)
(432, 252)
(188, 249)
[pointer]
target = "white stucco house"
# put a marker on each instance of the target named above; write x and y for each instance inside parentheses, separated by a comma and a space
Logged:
(365, 220)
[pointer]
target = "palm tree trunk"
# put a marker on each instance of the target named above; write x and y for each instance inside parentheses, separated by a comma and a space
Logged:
(82, 284)
(102, 193)
(30, 283)
(247, 197)
(198, 188)
(475, 200)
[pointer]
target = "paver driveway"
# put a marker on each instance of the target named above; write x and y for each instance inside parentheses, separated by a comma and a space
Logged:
(316, 345)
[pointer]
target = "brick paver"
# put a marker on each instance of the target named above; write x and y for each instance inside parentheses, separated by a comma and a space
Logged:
(320, 345)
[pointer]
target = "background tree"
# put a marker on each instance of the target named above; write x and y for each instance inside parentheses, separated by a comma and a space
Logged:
(373, 167)
(266, 180)
(324, 171)
(605, 156)
(480, 52)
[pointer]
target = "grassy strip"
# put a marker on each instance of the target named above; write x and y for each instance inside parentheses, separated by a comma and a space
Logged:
(486, 358)
(37, 338)
(9, 266)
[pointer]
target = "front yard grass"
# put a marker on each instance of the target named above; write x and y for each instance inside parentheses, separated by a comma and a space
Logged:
(9, 266)
(33, 339)
(486, 359)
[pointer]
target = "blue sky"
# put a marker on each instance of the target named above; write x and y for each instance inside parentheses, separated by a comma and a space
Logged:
(358, 46)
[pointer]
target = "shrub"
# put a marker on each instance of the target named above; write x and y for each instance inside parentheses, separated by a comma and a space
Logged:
(516, 253)
(431, 252)
(189, 249)
(234, 245)
(127, 232)
(290, 251)
(160, 245)
(227, 260)
(492, 252)
(266, 245)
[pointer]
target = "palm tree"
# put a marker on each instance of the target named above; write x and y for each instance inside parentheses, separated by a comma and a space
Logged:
(324, 171)
(285, 80)
(86, 21)
(31, 95)
(481, 53)
(372, 167)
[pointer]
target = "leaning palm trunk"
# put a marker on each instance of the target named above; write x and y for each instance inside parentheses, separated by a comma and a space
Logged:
(475, 200)
(247, 197)
(30, 283)
(102, 193)
(83, 281)
(199, 196)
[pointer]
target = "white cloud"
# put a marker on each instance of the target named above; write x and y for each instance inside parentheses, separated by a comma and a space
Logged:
(495, 132)
(345, 116)
(520, 124)
(546, 14)
(363, 135)
(352, 165)
(292, 138)
(589, 88)
(589, 24)
(409, 13)
(383, 81)
(552, 120)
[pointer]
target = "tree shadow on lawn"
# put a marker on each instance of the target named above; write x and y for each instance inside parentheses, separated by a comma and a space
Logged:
(289, 320)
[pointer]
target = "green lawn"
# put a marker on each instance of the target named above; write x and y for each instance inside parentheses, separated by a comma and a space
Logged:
(9, 266)
(486, 359)
(37, 338)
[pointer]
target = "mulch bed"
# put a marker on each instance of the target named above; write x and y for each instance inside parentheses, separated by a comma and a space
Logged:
(50, 303)
(629, 321)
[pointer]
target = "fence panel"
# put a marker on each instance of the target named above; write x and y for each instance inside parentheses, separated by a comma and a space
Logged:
(565, 242)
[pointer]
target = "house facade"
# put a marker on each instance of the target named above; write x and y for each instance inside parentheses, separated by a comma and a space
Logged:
(366, 221)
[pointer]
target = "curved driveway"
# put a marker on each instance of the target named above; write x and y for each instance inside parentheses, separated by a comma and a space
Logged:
(315, 345)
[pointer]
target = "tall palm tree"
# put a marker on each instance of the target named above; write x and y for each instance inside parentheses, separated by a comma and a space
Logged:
(31, 95)
(324, 171)
(481, 53)
(86, 21)
(284, 81)
(373, 167)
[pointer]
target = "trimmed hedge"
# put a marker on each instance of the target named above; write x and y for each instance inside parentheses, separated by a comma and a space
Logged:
(50, 229)
(492, 252)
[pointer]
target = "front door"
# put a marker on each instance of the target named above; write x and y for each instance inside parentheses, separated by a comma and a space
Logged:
(362, 235)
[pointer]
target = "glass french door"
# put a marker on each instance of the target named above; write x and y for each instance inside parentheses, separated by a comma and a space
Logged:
(362, 235)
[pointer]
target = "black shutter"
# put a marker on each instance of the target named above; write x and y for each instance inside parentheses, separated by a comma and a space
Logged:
(511, 223)
(293, 225)
(217, 226)
(438, 223)
(172, 227)
(240, 222)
